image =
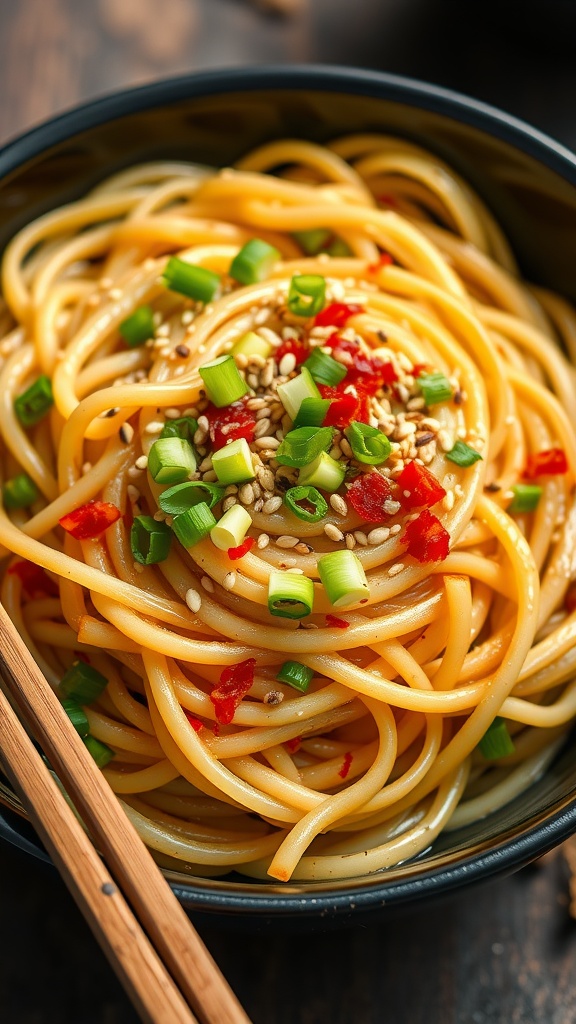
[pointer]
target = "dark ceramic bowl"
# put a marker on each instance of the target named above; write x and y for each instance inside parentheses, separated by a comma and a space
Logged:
(528, 180)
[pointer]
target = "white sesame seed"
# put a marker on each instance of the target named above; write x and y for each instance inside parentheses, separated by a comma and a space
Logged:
(287, 364)
(141, 462)
(86, 468)
(350, 541)
(333, 532)
(263, 541)
(193, 600)
(379, 535)
(207, 584)
(154, 427)
(137, 567)
(228, 502)
(395, 569)
(159, 516)
(115, 294)
(174, 414)
(361, 538)
(286, 541)
(187, 317)
(267, 442)
(229, 581)
(133, 493)
(262, 428)
(446, 440)
(163, 331)
(395, 529)
(391, 507)
(246, 494)
(272, 505)
(134, 472)
(338, 504)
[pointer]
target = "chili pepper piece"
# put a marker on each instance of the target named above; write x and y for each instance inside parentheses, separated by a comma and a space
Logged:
(231, 423)
(194, 722)
(551, 462)
(348, 758)
(333, 620)
(337, 314)
(235, 682)
(367, 494)
(90, 520)
(419, 488)
(426, 538)
(241, 550)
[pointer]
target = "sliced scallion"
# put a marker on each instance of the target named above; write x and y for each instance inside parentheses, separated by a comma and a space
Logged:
(251, 344)
(295, 674)
(175, 500)
(83, 683)
(193, 525)
(307, 294)
(368, 444)
(33, 404)
(436, 388)
(233, 463)
(101, 753)
(323, 472)
(339, 248)
(306, 503)
(324, 368)
(463, 455)
(77, 715)
(254, 261)
(138, 327)
(20, 492)
(343, 578)
(526, 497)
(290, 595)
(171, 460)
(312, 412)
(296, 391)
(188, 279)
(150, 540)
(222, 381)
(314, 240)
(496, 741)
(303, 445)
(184, 427)
(232, 528)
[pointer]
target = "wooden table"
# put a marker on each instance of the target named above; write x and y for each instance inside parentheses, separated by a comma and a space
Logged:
(500, 954)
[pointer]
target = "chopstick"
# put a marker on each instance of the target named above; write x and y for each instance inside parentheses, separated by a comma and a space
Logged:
(176, 943)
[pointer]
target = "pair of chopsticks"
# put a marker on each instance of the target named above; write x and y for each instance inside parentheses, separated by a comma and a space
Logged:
(146, 935)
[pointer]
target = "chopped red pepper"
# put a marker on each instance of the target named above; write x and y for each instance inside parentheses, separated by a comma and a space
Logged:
(241, 550)
(333, 620)
(194, 722)
(35, 581)
(348, 758)
(420, 368)
(384, 260)
(348, 402)
(235, 682)
(419, 488)
(296, 347)
(337, 314)
(367, 494)
(426, 538)
(293, 746)
(90, 520)
(550, 462)
(230, 424)
(368, 371)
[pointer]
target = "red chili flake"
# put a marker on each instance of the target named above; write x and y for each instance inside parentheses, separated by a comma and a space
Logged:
(230, 424)
(348, 758)
(234, 684)
(241, 550)
(367, 494)
(347, 403)
(333, 620)
(550, 462)
(423, 487)
(293, 746)
(426, 538)
(336, 315)
(384, 260)
(194, 722)
(368, 371)
(35, 581)
(387, 200)
(90, 520)
(296, 347)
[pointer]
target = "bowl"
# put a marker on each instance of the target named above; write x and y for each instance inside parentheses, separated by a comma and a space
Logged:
(529, 182)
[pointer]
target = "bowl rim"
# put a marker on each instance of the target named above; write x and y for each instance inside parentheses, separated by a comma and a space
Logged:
(534, 839)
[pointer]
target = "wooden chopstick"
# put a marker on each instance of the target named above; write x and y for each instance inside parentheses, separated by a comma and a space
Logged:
(129, 862)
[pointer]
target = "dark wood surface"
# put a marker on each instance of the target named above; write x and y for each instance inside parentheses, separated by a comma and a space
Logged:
(501, 954)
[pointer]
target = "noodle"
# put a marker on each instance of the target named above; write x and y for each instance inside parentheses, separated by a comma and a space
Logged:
(444, 369)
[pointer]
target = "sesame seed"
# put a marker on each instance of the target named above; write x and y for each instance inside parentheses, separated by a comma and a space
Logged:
(137, 567)
(391, 507)
(361, 538)
(256, 403)
(395, 569)
(446, 440)
(338, 504)
(448, 501)
(379, 535)
(86, 468)
(133, 493)
(229, 581)
(228, 502)
(271, 443)
(163, 331)
(141, 462)
(286, 541)
(273, 697)
(159, 516)
(187, 317)
(182, 350)
(272, 505)
(262, 428)
(193, 600)
(303, 548)
(333, 532)
(134, 472)
(395, 529)
(266, 478)
(350, 541)
(246, 494)
(154, 427)
(263, 541)
(287, 364)
(115, 293)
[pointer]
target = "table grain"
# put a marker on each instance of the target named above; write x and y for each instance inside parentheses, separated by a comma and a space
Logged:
(501, 953)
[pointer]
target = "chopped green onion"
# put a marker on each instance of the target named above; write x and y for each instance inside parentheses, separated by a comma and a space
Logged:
(296, 391)
(368, 444)
(193, 525)
(171, 460)
(303, 445)
(138, 328)
(307, 294)
(496, 741)
(77, 716)
(20, 492)
(309, 496)
(296, 675)
(150, 540)
(312, 412)
(232, 528)
(191, 280)
(343, 578)
(314, 240)
(323, 472)
(463, 455)
(436, 388)
(233, 463)
(175, 500)
(290, 595)
(33, 404)
(184, 427)
(222, 381)
(254, 261)
(83, 682)
(251, 344)
(526, 498)
(339, 248)
(324, 368)
(100, 752)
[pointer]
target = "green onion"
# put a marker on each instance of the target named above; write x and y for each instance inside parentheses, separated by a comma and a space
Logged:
(139, 327)
(307, 294)
(323, 472)
(251, 344)
(310, 496)
(233, 463)
(83, 682)
(222, 381)
(290, 595)
(312, 412)
(184, 427)
(193, 525)
(296, 391)
(296, 675)
(34, 403)
(324, 368)
(435, 388)
(254, 261)
(343, 578)
(171, 460)
(339, 248)
(190, 280)
(232, 528)
(496, 741)
(314, 240)
(303, 445)
(526, 498)
(150, 540)
(77, 715)
(175, 500)
(100, 752)
(20, 492)
(463, 455)
(368, 444)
